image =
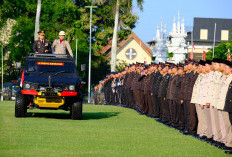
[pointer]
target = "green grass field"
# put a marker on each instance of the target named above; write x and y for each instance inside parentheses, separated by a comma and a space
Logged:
(105, 131)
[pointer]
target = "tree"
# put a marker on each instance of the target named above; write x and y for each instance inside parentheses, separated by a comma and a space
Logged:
(116, 22)
(71, 17)
(114, 42)
(220, 51)
(121, 65)
(37, 19)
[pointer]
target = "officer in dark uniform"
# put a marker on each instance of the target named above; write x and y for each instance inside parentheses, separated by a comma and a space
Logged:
(228, 107)
(41, 45)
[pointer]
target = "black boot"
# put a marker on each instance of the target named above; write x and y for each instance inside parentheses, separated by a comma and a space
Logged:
(228, 151)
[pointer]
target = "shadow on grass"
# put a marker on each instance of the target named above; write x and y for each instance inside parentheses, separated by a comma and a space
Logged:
(85, 116)
(98, 115)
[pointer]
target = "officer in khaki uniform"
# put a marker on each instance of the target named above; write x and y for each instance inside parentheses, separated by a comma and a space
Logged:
(61, 45)
(41, 45)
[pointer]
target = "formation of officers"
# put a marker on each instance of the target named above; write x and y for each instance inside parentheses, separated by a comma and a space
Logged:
(194, 97)
(43, 46)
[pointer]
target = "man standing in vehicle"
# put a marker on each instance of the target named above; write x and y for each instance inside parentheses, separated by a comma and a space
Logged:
(62, 45)
(42, 45)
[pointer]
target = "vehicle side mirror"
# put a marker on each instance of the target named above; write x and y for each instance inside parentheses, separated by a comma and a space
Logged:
(83, 67)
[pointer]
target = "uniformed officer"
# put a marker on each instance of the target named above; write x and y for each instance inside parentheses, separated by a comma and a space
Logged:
(62, 45)
(41, 45)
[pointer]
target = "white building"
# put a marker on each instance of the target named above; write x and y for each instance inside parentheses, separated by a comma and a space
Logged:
(160, 49)
(177, 44)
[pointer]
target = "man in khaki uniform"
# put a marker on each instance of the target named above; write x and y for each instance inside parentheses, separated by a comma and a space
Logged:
(197, 89)
(62, 45)
(225, 124)
(205, 84)
(211, 101)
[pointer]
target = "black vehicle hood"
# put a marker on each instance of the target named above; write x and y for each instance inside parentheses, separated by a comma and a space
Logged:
(55, 80)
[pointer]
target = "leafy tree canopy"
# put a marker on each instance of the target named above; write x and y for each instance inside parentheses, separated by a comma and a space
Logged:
(70, 16)
(220, 51)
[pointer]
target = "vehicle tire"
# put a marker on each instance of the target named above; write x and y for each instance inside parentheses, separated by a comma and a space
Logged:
(76, 110)
(20, 105)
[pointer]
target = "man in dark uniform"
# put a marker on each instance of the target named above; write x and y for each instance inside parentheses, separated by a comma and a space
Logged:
(125, 98)
(190, 108)
(134, 86)
(193, 121)
(181, 96)
(228, 107)
(131, 87)
(141, 89)
(162, 93)
(137, 83)
(173, 104)
(146, 91)
(167, 98)
(179, 121)
(152, 99)
(155, 89)
(128, 83)
(42, 45)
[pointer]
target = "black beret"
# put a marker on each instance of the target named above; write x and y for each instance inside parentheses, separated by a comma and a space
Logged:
(208, 62)
(226, 62)
(216, 60)
(201, 62)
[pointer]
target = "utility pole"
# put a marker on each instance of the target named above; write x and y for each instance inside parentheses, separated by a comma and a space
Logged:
(2, 76)
(76, 51)
(114, 40)
(90, 42)
(215, 26)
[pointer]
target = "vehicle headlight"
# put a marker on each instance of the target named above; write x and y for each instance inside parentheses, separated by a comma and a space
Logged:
(71, 87)
(42, 88)
(27, 86)
(30, 86)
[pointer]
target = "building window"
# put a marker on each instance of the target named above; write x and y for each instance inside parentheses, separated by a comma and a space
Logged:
(204, 34)
(225, 35)
(131, 53)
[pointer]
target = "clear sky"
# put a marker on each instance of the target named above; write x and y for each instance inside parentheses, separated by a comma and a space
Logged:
(154, 9)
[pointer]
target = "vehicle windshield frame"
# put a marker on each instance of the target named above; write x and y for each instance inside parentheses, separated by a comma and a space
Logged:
(68, 66)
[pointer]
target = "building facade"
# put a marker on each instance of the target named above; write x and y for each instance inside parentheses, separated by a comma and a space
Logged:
(160, 49)
(203, 33)
(130, 51)
(177, 44)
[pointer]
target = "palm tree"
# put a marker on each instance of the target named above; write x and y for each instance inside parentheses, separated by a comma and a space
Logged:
(114, 41)
(37, 19)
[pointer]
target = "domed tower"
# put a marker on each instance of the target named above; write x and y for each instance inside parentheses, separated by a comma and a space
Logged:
(160, 50)
(177, 44)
